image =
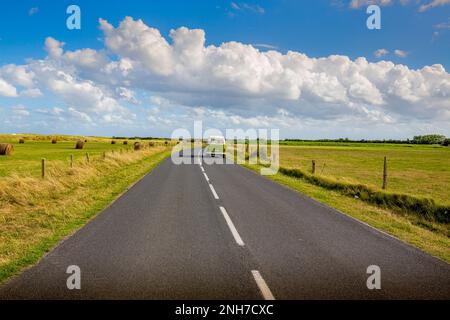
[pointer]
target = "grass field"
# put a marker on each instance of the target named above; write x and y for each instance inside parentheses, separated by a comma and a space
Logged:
(26, 158)
(36, 213)
(431, 237)
(417, 170)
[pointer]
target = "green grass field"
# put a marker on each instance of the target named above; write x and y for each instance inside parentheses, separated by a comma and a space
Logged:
(418, 170)
(26, 158)
(36, 213)
(429, 236)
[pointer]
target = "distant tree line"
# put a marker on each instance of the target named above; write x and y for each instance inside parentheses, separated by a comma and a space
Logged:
(139, 138)
(430, 139)
(424, 139)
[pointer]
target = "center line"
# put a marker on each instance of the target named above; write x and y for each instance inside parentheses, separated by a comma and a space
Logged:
(262, 285)
(206, 177)
(213, 192)
(233, 230)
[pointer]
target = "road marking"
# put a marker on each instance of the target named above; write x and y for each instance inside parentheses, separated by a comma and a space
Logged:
(206, 177)
(233, 230)
(213, 192)
(262, 285)
(203, 170)
(199, 158)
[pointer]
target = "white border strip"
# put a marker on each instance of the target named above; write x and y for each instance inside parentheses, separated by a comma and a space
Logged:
(233, 230)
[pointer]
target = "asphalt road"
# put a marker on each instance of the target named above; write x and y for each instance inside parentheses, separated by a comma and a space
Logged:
(224, 232)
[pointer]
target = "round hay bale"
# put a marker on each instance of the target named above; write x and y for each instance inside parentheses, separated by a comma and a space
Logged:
(151, 144)
(79, 145)
(21, 140)
(125, 142)
(113, 141)
(138, 146)
(85, 140)
(6, 149)
(54, 141)
(166, 143)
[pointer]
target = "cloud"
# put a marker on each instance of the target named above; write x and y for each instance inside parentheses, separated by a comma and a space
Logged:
(6, 89)
(443, 25)
(17, 75)
(31, 93)
(380, 53)
(233, 83)
(20, 110)
(400, 53)
(265, 46)
(242, 6)
(53, 47)
(433, 4)
(149, 47)
(33, 11)
(127, 94)
(356, 4)
(234, 75)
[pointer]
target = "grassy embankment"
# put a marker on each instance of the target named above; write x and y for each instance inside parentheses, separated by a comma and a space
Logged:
(414, 208)
(36, 213)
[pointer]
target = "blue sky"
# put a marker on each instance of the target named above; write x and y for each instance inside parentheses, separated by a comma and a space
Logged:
(317, 28)
(314, 28)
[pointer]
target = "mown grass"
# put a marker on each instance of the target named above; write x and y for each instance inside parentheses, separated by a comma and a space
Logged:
(418, 170)
(26, 158)
(422, 207)
(35, 213)
(430, 236)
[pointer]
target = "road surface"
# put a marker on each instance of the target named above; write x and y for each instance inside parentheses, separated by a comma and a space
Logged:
(224, 232)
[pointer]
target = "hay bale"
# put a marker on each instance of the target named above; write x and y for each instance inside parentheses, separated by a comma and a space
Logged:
(113, 141)
(6, 149)
(125, 142)
(21, 140)
(85, 140)
(166, 143)
(151, 144)
(79, 145)
(138, 146)
(54, 141)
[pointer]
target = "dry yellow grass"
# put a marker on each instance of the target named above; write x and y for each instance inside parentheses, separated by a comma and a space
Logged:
(33, 210)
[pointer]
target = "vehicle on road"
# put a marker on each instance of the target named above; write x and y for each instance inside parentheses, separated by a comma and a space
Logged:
(216, 146)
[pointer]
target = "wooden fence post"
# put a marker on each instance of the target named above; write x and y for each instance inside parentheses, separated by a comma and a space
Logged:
(43, 168)
(385, 174)
(104, 155)
(87, 157)
(313, 166)
(71, 160)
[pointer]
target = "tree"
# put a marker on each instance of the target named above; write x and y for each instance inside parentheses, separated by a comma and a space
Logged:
(429, 139)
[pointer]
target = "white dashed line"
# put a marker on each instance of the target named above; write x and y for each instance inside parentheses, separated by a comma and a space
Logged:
(203, 170)
(233, 230)
(206, 177)
(262, 285)
(213, 192)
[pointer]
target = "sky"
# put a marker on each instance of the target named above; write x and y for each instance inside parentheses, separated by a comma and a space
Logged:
(311, 69)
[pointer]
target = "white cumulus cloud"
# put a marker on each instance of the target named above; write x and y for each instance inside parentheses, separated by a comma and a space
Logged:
(233, 81)
(7, 89)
